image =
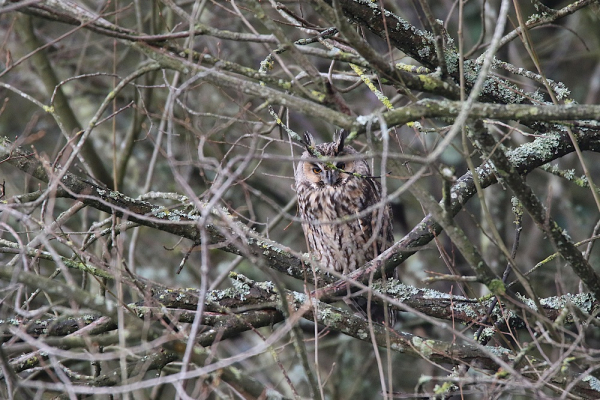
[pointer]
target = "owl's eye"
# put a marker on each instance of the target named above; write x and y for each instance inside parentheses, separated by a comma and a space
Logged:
(340, 165)
(316, 170)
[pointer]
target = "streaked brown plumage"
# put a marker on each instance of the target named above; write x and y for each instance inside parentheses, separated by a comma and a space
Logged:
(332, 202)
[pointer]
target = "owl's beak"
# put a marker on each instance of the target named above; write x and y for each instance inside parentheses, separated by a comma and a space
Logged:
(329, 176)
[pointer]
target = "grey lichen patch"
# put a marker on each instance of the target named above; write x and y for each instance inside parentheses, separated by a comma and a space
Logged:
(424, 52)
(266, 285)
(508, 315)
(459, 192)
(544, 147)
(486, 334)
(89, 318)
(11, 321)
(398, 347)
(568, 174)
(471, 71)
(565, 234)
(362, 334)
(239, 292)
(215, 295)
(498, 351)
(242, 288)
(492, 85)
(433, 294)
(273, 394)
(527, 301)
(161, 212)
(193, 215)
(428, 37)
(534, 18)
(583, 301)
(329, 317)
(397, 289)
(183, 297)
(269, 250)
(451, 56)
(300, 298)
(593, 382)
(561, 91)
(401, 23)
(364, 119)
(466, 309)
(538, 97)
(373, 5)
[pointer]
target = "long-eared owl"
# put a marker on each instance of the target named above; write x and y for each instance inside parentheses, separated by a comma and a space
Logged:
(335, 188)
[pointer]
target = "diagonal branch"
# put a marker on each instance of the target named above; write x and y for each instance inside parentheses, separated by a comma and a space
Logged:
(509, 174)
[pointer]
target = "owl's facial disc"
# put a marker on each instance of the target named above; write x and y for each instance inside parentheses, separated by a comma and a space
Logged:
(323, 175)
(320, 174)
(329, 176)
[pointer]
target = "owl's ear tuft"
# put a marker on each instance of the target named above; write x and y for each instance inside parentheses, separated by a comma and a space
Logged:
(339, 141)
(309, 143)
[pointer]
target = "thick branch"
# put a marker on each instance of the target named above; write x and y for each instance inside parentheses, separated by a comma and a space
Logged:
(525, 158)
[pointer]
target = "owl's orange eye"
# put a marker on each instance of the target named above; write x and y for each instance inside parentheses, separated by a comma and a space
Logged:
(316, 170)
(341, 165)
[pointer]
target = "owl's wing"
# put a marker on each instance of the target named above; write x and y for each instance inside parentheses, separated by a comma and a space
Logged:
(369, 222)
(377, 226)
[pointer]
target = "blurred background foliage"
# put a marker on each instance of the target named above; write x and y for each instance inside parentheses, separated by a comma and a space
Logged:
(212, 128)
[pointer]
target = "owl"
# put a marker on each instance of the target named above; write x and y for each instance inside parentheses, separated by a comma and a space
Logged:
(335, 187)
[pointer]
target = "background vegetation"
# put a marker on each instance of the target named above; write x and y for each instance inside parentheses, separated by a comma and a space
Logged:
(150, 246)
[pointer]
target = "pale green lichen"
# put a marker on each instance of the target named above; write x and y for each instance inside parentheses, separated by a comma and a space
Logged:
(429, 83)
(445, 388)
(497, 287)
(424, 347)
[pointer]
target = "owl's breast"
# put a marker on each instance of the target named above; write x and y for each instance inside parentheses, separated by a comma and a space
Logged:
(334, 234)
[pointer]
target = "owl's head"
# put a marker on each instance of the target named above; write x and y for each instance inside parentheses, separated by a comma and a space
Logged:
(321, 169)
